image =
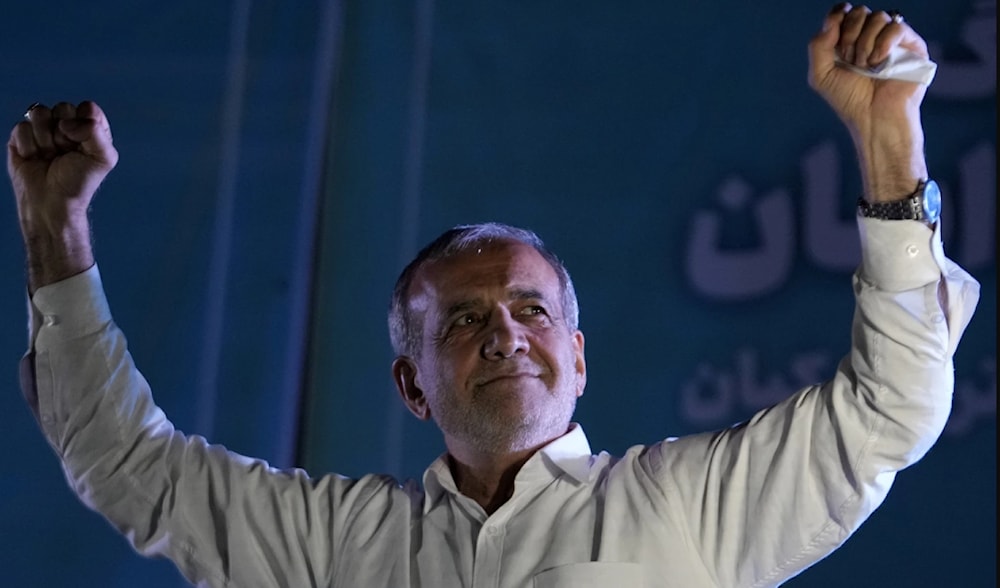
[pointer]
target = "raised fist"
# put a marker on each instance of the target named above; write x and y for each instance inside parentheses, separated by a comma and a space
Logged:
(858, 36)
(56, 159)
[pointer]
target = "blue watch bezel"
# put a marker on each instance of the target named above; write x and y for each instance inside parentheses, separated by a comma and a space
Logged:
(931, 201)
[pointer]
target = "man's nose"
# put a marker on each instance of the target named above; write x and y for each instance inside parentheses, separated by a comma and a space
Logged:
(506, 338)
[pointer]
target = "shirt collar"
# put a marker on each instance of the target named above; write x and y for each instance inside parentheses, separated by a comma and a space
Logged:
(569, 454)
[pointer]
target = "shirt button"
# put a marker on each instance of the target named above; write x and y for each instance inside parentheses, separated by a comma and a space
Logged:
(937, 318)
(492, 531)
(46, 419)
(51, 320)
(912, 250)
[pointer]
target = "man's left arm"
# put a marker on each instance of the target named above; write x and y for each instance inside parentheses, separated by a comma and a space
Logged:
(768, 498)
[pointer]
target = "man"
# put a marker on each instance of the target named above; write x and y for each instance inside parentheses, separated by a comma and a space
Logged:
(485, 325)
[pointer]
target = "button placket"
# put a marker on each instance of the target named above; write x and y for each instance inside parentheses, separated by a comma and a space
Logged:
(489, 549)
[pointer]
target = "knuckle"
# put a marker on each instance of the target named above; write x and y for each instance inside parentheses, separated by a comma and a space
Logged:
(857, 15)
(38, 112)
(63, 109)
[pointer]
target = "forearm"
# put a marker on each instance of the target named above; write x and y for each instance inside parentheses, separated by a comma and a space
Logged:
(891, 156)
(56, 250)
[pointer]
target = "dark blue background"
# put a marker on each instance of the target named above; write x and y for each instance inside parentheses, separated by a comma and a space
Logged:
(281, 161)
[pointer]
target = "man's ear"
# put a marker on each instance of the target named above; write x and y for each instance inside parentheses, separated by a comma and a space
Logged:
(404, 374)
(581, 363)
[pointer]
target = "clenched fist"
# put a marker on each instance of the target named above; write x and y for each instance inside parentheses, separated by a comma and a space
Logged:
(883, 116)
(863, 38)
(56, 159)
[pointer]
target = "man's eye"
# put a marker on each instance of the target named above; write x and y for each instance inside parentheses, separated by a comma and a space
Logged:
(466, 319)
(532, 310)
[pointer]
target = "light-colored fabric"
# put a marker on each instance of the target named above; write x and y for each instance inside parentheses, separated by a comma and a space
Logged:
(902, 64)
(748, 506)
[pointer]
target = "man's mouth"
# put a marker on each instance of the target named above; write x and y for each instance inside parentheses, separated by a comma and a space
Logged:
(495, 378)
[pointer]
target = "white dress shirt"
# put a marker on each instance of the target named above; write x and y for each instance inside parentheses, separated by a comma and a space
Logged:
(748, 506)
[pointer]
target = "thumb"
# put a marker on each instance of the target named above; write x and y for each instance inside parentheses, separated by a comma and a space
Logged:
(20, 147)
(14, 161)
(91, 130)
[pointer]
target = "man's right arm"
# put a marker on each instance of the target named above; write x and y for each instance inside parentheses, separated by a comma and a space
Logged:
(224, 519)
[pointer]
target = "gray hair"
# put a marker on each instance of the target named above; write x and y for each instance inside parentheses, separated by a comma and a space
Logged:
(406, 333)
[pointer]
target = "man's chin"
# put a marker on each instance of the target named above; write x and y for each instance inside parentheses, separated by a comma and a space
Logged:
(514, 432)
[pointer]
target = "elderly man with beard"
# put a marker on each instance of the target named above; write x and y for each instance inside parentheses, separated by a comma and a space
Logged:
(485, 325)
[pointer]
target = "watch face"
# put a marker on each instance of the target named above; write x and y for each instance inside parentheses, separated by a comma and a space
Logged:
(932, 201)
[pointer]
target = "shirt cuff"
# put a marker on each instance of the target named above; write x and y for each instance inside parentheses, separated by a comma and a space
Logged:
(67, 309)
(899, 255)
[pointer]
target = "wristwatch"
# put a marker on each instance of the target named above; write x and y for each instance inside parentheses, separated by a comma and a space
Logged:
(923, 205)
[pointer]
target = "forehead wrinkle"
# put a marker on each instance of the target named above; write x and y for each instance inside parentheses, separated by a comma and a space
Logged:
(525, 294)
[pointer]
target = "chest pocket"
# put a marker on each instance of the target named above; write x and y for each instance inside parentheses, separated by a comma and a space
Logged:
(596, 574)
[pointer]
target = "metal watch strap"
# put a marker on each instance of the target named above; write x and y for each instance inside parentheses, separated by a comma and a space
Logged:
(909, 208)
